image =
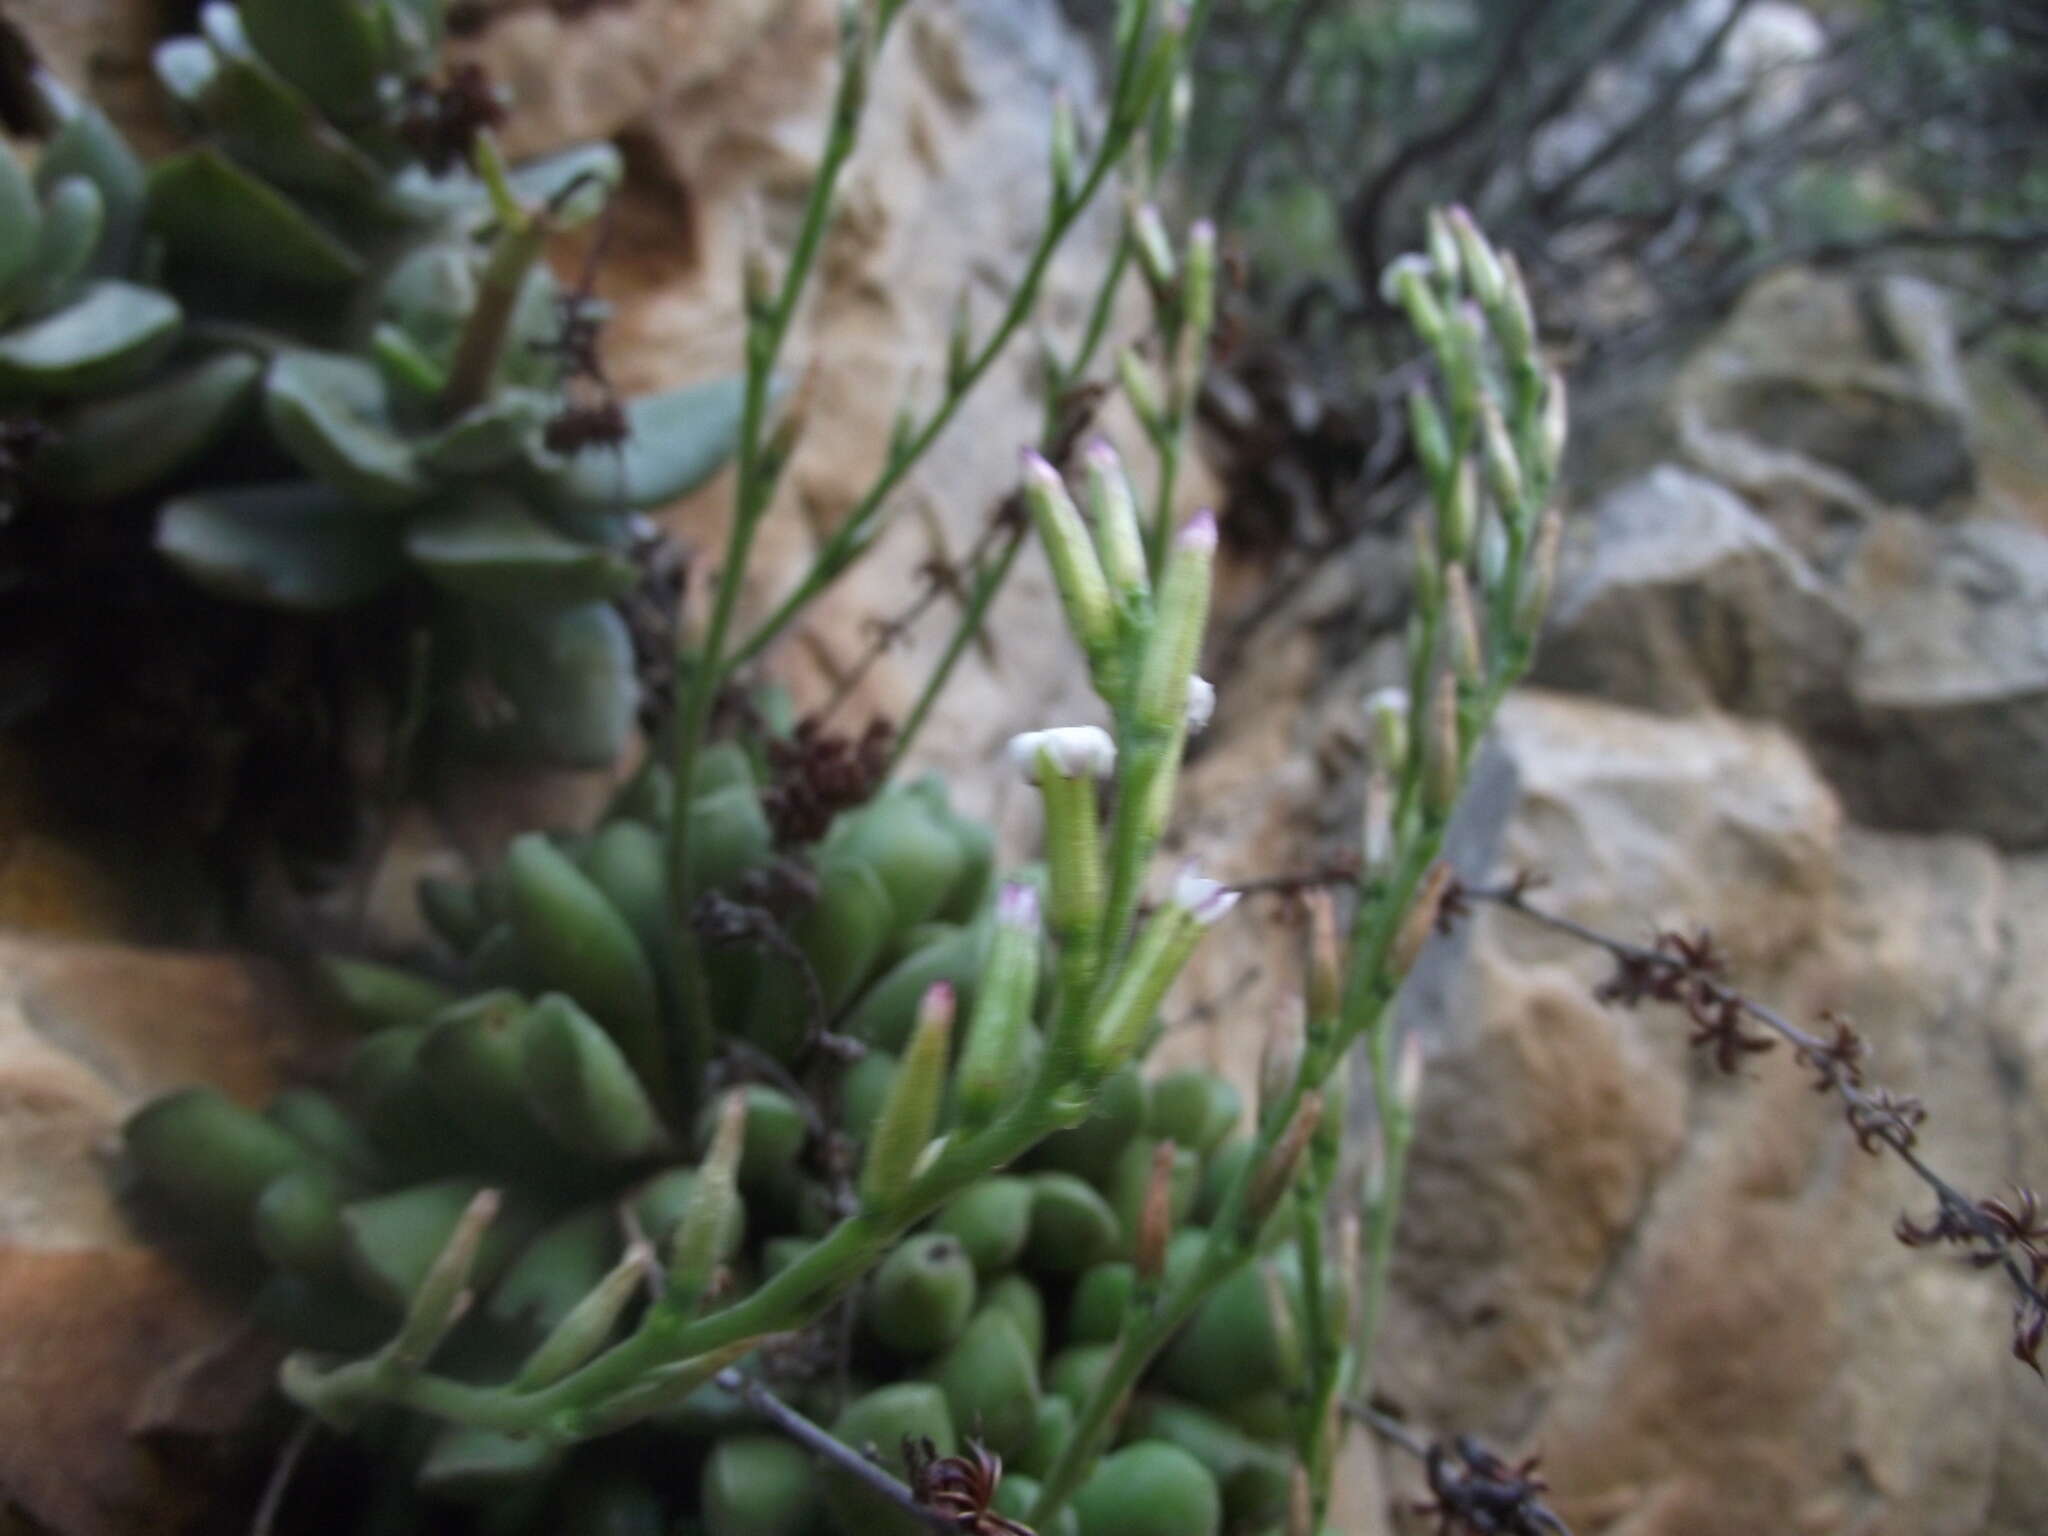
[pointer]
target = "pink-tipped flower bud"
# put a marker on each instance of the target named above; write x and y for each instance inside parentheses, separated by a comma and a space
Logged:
(911, 1109)
(1160, 701)
(1206, 901)
(1084, 590)
(1115, 510)
(993, 1057)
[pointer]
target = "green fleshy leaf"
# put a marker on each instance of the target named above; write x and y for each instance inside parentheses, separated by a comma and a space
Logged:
(74, 215)
(406, 368)
(566, 677)
(488, 437)
(429, 295)
(490, 547)
(266, 124)
(107, 449)
(110, 332)
(331, 412)
(299, 545)
(332, 50)
(89, 145)
(213, 213)
(679, 440)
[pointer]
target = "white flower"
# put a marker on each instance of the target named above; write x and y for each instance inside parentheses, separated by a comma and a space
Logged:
(1201, 703)
(1206, 900)
(1075, 751)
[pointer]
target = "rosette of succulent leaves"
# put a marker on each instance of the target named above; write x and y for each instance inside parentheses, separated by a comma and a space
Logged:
(322, 343)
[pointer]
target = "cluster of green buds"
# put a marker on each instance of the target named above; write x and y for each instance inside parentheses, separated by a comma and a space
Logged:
(322, 345)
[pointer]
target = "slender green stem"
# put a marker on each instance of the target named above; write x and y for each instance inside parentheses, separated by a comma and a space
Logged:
(987, 583)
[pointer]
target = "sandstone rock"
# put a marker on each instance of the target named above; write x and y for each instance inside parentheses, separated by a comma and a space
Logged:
(123, 1378)
(1685, 598)
(1950, 683)
(1682, 1287)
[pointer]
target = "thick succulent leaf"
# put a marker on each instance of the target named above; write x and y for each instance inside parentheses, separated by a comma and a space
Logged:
(110, 332)
(89, 145)
(298, 545)
(566, 677)
(429, 294)
(530, 360)
(490, 547)
(574, 183)
(679, 440)
(332, 414)
(20, 217)
(73, 217)
(215, 214)
(490, 436)
(267, 124)
(107, 449)
(333, 50)
(408, 370)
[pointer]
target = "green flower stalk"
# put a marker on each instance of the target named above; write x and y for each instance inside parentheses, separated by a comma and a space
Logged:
(993, 1056)
(911, 1110)
(700, 1236)
(1156, 958)
(1066, 763)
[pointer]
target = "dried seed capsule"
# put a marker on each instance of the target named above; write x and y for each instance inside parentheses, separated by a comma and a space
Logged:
(1076, 1371)
(210, 1155)
(1233, 1344)
(465, 1464)
(582, 1087)
(775, 1133)
(990, 1378)
(758, 1485)
(1149, 1488)
(1072, 1226)
(579, 943)
(923, 1295)
(1020, 1301)
(374, 996)
(1194, 1108)
(1101, 1299)
(298, 1222)
(563, 1264)
(323, 1127)
(883, 1422)
(1052, 1431)
(991, 1220)
(915, 855)
(1130, 1180)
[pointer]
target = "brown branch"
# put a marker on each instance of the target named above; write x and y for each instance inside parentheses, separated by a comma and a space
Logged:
(1475, 1491)
(1687, 972)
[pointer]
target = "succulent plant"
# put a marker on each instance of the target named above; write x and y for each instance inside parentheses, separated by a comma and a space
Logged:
(323, 340)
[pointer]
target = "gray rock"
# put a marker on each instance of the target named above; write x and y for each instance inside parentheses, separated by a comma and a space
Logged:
(1686, 598)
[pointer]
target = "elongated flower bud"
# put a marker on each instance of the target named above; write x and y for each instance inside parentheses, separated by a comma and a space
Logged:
(1198, 298)
(1462, 624)
(1457, 512)
(1386, 714)
(1503, 467)
(1065, 149)
(1280, 1058)
(1156, 958)
(1514, 318)
(1141, 388)
(1160, 703)
(1406, 284)
(1442, 755)
(1463, 356)
(1155, 1216)
(1429, 569)
(1443, 249)
(1432, 437)
(1534, 601)
(589, 1325)
(443, 1295)
(1376, 826)
(1275, 1175)
(992, 1058)
(1115, 510)
(1065, 764)
(1419, 920)
(1076, 571)
(911, 1110)
(701, 1233)
(1482, 264)
(1155, 250)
